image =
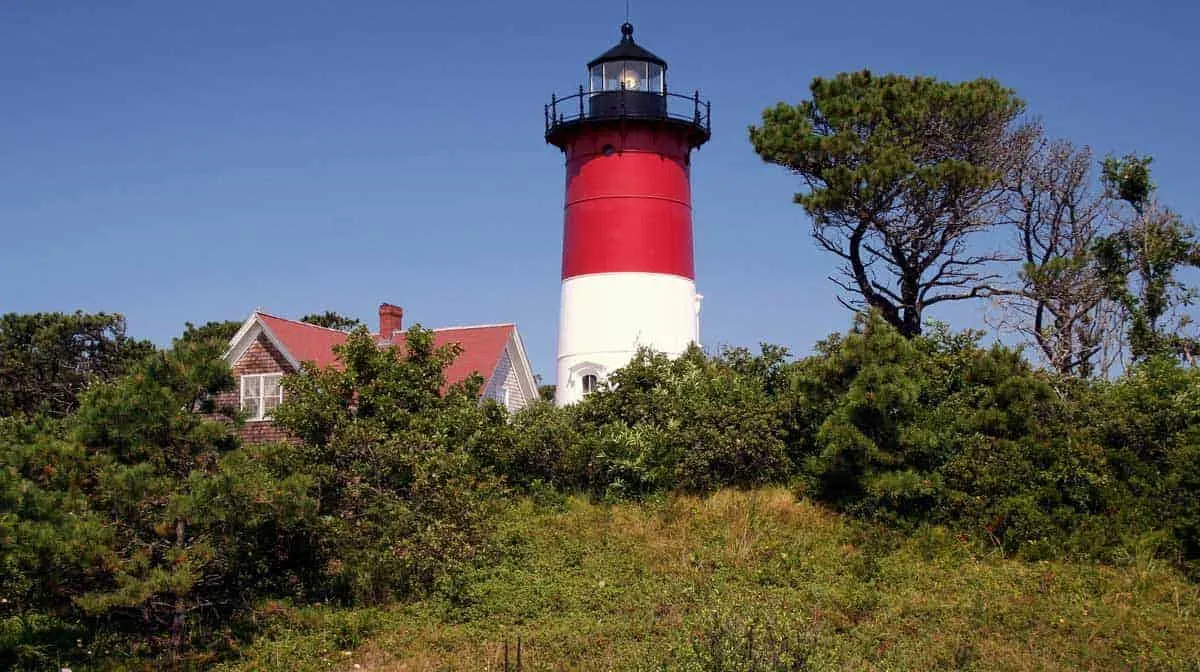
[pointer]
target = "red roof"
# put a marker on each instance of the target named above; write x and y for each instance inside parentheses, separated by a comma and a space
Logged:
(305, 342)
(482, 346)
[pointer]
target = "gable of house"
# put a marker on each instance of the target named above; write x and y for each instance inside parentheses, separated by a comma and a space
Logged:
(507, 385)
(260, 358)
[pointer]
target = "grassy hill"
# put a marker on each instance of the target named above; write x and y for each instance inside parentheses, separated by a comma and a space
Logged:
(751, 580)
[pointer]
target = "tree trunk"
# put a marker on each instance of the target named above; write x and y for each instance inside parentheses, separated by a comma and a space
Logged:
(177, 622)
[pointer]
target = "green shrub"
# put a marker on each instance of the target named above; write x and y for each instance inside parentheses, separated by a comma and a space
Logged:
(754, 639)
(401, 499)
(692, 423)
(539, 448)
(141, 527)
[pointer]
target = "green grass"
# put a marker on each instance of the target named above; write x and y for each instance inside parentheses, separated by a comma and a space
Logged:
(751, 581)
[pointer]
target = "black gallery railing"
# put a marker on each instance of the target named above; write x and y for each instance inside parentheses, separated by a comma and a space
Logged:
(628, 104)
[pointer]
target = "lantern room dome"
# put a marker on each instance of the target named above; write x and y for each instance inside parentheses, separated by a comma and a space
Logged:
(628, 50)
(627, 67)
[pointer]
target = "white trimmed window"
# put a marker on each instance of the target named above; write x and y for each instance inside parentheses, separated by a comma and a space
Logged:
(590, 383)
(261, 393)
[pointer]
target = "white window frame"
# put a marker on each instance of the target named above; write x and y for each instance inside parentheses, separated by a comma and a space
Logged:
(260, 407)
(583, 382)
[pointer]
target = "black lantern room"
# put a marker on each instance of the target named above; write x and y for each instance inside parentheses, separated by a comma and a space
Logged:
(627, 78)
(627, 82)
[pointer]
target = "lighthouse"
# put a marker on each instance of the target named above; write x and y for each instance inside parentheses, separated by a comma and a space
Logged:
(628, 276)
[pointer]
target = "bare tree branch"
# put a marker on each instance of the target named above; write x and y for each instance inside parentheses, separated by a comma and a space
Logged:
(1057, 300)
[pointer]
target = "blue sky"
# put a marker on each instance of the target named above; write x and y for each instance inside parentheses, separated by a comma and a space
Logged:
(182, 161)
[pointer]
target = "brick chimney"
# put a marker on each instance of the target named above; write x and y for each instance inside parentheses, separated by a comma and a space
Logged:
(391, 320)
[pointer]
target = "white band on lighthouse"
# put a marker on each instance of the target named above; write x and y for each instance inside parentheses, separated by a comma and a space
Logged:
(605, 317)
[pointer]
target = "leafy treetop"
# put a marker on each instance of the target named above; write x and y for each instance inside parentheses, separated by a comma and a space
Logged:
(899, 172)
(332, 320)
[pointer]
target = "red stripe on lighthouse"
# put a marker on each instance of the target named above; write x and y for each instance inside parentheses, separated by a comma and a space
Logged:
(628, 204)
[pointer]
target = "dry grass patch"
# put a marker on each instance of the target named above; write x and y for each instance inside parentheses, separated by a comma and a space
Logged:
(689, 583)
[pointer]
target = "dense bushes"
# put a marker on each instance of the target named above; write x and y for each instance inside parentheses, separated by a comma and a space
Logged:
(139, 526)
(936, 429)
(929, 430)
(399, 502)
(693, 423)
(137, 517)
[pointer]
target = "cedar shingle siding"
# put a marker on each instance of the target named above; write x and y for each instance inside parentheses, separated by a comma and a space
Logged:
(261, 357)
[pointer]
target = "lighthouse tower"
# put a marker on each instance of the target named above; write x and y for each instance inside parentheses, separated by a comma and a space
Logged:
(628, 279)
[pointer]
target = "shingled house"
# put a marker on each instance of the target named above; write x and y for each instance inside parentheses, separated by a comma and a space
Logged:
(268, 346)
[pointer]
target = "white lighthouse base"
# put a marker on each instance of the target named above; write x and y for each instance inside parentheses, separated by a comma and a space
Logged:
(605, 317)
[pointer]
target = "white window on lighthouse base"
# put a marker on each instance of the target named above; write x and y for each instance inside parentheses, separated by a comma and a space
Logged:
(586, 377)
(590, 383)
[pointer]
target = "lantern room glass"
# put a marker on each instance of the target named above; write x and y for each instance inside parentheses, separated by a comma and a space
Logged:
(627, 76)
